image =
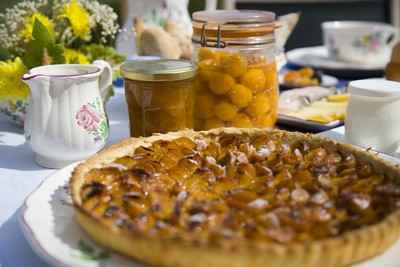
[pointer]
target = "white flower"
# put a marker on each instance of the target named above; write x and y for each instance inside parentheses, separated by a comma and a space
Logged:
(11, 22)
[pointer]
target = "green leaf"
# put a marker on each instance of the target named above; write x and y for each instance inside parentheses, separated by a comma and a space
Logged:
(42, 40)
(4, 54)
(89, 253)
(34, 54)
(56, 52)
(41, 34)
(99, 51)
(85, 248)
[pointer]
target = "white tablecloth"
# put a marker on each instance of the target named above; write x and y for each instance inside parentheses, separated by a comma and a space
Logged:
(19, 175)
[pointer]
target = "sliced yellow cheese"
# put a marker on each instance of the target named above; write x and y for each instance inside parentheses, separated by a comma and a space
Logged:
(322, 111)
(338, 98)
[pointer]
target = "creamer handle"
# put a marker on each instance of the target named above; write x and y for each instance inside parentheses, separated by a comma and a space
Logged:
(106, 77)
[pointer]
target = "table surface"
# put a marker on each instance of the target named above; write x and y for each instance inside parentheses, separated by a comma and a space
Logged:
(19, 175)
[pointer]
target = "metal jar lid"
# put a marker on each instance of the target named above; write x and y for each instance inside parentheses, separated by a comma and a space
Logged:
(157, 70)
(221, 28)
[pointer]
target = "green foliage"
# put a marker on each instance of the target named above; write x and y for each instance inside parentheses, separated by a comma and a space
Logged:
(89, 253)
(99, 51)
(43, 48)
(4, 54)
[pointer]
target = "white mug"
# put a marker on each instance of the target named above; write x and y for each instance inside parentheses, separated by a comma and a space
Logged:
(66, 120)
(359, 41)
(373, 119)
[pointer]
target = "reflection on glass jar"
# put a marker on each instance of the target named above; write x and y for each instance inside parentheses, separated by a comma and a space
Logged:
(236, 82)
(161, 101)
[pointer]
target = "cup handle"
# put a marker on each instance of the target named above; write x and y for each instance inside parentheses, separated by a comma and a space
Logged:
(106, 77)
(396, 152)
(392, 37)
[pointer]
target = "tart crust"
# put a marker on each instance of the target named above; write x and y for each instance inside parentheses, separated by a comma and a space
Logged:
(346, 249)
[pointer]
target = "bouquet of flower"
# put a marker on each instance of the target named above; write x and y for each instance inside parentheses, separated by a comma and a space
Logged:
(41, 32)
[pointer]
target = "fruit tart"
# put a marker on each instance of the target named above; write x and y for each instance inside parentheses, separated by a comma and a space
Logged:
(238, 197)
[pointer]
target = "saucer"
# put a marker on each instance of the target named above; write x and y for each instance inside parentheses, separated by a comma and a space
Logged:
(317, 57)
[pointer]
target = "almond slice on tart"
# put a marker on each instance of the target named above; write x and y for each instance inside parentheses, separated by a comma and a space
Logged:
(238, 197)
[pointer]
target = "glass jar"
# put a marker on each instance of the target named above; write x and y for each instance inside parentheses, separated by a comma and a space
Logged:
(159, 94)
(237, 82)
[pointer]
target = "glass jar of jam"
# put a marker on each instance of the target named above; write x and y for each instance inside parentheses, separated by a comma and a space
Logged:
(159, 94)
(236, 83)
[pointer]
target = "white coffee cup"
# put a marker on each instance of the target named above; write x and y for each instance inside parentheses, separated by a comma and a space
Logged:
(373, 119)
(66, 120)
(359, 41)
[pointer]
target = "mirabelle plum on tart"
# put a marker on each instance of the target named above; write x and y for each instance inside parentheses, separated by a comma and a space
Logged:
(240, 95)
(225, 110)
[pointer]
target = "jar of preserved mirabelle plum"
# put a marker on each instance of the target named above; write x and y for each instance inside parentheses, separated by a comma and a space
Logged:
(236, 83)
(159, 94)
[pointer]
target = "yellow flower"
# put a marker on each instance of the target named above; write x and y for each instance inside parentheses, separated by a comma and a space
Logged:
(28, 28)
(74, 56)
(12, 88)
(78, 17)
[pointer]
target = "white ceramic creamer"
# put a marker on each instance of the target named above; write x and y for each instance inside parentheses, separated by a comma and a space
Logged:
(373, 115)
(66, 120)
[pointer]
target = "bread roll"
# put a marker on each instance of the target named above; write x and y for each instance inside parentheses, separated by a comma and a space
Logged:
(392, 71)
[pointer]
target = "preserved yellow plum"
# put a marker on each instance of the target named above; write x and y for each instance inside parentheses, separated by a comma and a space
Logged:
(160, 96)
(265, 121)
(213, 123)
(240, 95)
(246, 86)
(204, 106)
(259, 106)
(225, 111)
(254, 79)
(221, 83)
(235, 65)
(242, 120)
(205, 54)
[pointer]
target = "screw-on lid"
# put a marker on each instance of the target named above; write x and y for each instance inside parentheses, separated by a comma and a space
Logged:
(157, 70)
(375, 88)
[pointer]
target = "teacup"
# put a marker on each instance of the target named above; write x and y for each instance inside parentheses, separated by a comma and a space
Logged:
(66, 120)
(359, 41)
(372, 115)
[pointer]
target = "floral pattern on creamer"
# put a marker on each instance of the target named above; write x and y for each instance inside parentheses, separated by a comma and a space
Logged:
(91, 118)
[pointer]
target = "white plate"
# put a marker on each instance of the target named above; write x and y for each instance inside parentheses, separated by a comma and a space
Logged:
(317, 57)
(48, 225)
(305, 124)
